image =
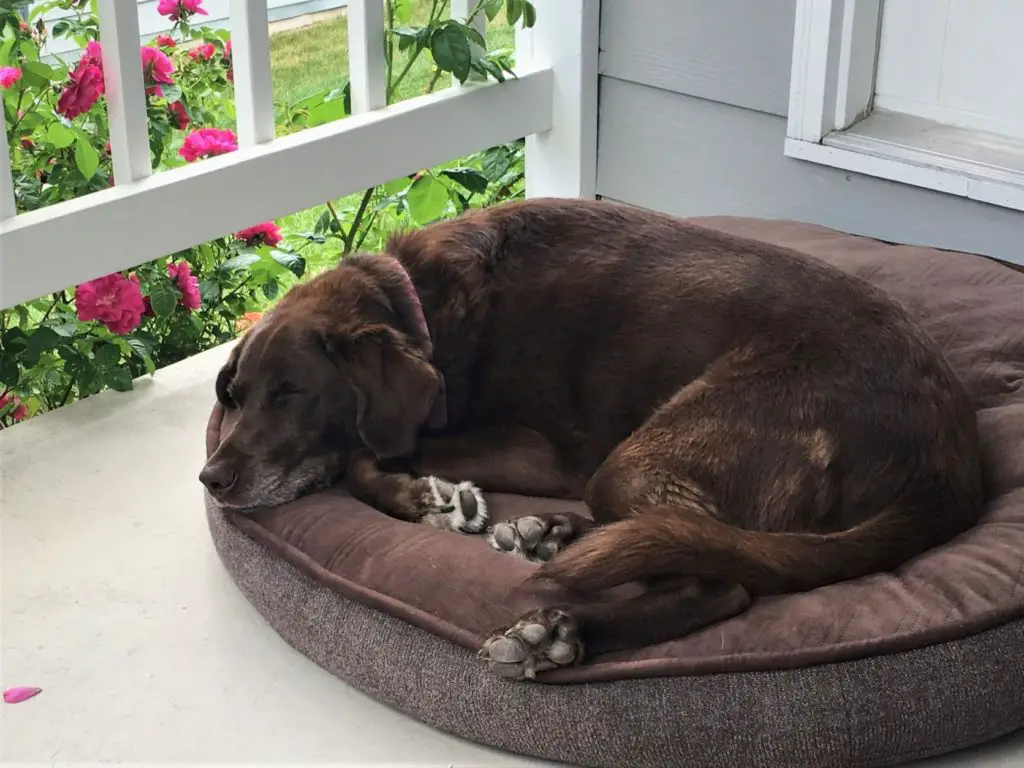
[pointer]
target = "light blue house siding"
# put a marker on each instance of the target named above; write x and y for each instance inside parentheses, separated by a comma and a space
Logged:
(692, 121)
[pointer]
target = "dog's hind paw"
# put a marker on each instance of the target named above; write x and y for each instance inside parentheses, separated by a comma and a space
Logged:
(536, 539)
(453, 506)
(545, 639)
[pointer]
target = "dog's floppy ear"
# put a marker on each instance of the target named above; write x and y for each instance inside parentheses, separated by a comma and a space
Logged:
(395, 388)
(390, 276)
(226, 375)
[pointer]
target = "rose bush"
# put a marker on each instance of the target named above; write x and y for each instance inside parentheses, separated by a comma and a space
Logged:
(106, 332)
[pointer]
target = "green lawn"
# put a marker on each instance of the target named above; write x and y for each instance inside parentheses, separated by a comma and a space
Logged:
(305, 61)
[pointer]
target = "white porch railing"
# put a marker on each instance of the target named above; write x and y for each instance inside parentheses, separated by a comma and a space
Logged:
(553, 103)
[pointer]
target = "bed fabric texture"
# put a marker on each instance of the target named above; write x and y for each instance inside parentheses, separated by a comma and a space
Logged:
(870, 672)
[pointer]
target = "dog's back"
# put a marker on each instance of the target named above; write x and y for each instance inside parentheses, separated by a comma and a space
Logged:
(598, 314)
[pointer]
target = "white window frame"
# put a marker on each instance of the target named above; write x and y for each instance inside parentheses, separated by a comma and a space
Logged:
(835, 55)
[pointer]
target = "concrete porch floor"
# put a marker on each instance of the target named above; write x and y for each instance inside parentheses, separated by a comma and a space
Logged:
(114, 602)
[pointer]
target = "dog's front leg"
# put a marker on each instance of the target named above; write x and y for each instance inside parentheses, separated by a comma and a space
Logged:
(500, 460)
(429, 500)
(511, 460)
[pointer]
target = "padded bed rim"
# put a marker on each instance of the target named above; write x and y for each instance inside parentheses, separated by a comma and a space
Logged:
(875, 711)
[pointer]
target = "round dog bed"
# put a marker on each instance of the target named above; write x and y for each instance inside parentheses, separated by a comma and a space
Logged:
(871, 672)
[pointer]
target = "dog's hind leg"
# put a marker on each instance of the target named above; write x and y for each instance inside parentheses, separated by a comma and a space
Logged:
(560, 635)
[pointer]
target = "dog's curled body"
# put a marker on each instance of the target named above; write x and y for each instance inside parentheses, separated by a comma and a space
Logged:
(740, 418)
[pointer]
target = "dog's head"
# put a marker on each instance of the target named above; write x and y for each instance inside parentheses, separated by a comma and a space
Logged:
(342, 362)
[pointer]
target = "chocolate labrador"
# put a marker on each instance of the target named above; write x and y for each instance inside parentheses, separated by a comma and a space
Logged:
(740, 419)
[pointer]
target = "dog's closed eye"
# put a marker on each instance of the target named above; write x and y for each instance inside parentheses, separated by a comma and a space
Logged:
(284, 390)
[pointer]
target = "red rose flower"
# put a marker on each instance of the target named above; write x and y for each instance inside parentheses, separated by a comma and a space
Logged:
(267, 233)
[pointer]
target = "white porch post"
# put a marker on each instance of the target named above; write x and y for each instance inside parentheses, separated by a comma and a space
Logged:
(562, 162)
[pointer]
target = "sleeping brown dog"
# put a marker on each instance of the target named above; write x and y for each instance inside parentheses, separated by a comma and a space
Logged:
(740, 419)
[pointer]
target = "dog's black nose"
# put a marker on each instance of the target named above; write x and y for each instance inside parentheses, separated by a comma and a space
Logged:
(218, 478)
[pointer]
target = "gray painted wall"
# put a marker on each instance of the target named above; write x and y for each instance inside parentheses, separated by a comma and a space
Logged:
(693, 100)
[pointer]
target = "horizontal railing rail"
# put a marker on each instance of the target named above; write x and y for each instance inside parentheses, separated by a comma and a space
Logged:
(149, 215)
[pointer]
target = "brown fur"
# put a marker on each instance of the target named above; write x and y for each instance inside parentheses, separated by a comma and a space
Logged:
(729, 410)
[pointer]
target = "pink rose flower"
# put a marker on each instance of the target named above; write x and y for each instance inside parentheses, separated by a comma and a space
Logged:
(267, 233)
(9, 76)
(20, 410)
(86, 83)
(114, 300)
(202, 52)
(228, 60)
(157, 68)
(93, 53)
(178, 114)
(165, 41)
(187, 283)
(207, 142)
(180, 9)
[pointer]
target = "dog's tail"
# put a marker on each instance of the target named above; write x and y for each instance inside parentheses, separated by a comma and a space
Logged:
(668, 541)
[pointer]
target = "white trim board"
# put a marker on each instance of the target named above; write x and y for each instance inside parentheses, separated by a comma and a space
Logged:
(830, 120)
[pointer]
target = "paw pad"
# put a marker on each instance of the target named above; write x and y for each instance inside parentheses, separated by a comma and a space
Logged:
(545, 639)
(454, 506)
(532, 538)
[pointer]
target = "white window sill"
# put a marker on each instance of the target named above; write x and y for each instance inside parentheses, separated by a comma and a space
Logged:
(982, 166)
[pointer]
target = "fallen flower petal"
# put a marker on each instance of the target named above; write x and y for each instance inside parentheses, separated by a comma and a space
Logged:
(20, 693)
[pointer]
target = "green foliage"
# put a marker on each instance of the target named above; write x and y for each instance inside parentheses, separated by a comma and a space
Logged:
(50, 356)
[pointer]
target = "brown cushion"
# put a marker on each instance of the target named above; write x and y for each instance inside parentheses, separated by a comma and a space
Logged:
(457, 589)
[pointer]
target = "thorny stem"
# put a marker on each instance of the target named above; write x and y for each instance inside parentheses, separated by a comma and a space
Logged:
(360, 211)
(366, 232)
(437, 6)
(67, 394)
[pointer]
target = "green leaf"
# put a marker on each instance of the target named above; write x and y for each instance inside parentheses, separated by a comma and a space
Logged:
(87, 159)
(66, 330)
(138, 346)
(427, 199)
(15, 341)
(143, 350)
(451, 50)
(171, 92)
(469, 178)
(60, 136)
(5, 51)
(119, 379)
(402, 10)
(529, 14)
(210, 290)
(43, 71)
(271, 289)
(43, 339)
(294, 263)
(474, 35)
(397, 186)
(241, 261)
(10, 372)
(163, 299)
(323, 223)
(496, 162)
(492, 8)
(107, 355)
(513, 10)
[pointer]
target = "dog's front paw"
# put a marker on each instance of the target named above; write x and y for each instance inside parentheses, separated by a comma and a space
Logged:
(541, 640)
(453, 506)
